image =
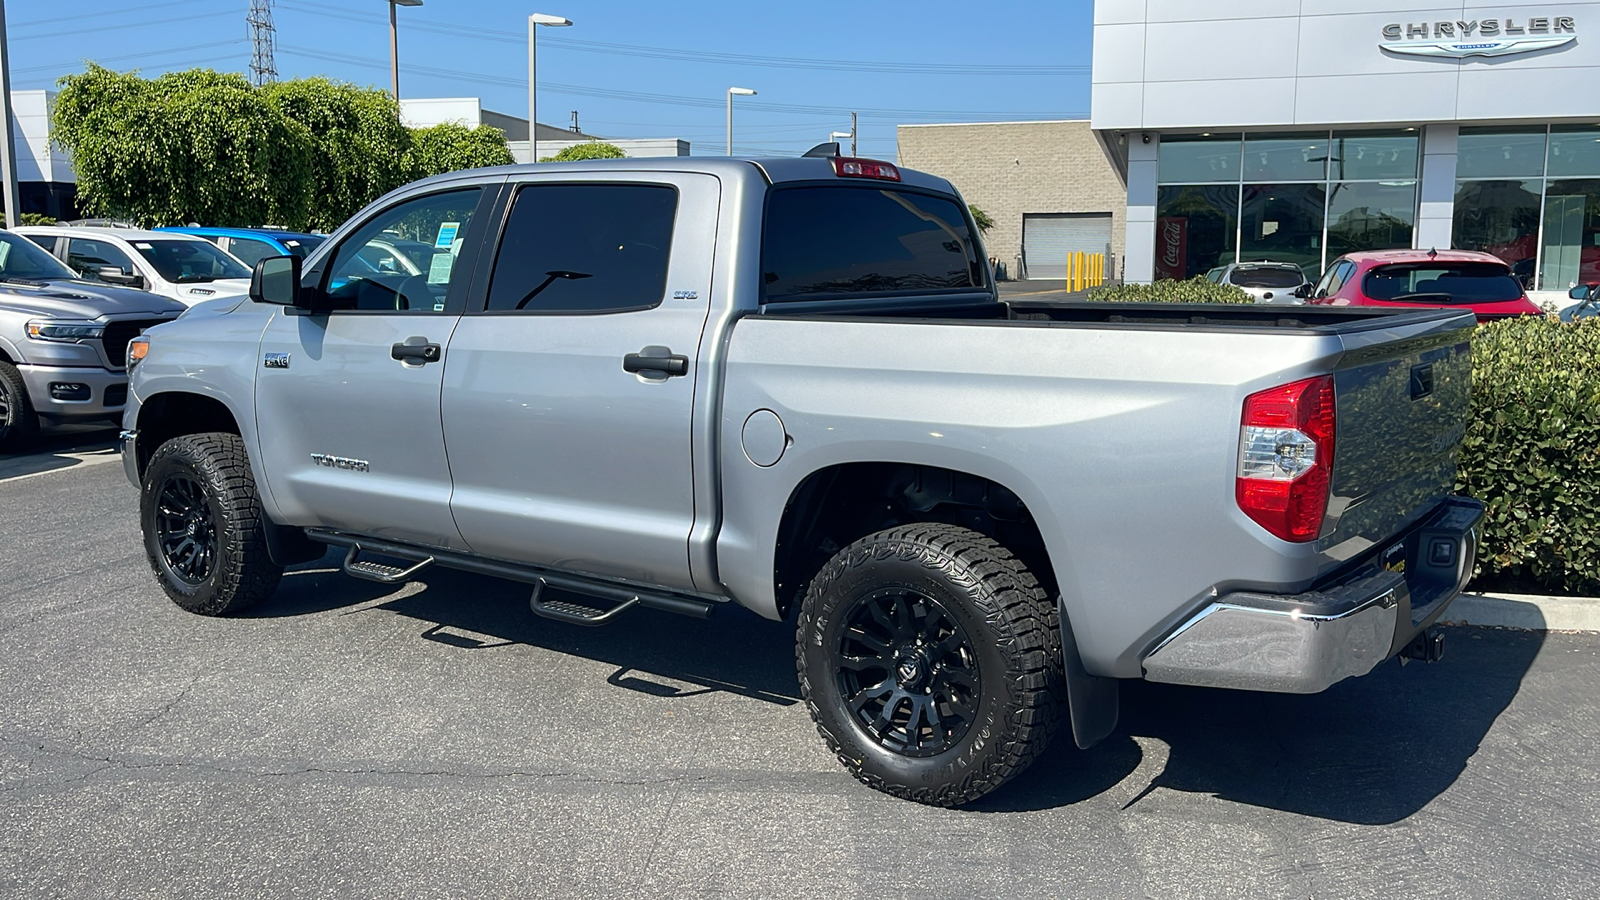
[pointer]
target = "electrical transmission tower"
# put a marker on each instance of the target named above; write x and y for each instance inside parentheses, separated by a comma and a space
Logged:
(262, 39)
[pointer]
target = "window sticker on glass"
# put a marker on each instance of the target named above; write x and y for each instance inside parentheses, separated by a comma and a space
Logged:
(439, 269)
(142, 246)
(447, 234)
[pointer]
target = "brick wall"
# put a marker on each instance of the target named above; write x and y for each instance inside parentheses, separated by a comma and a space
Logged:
(1010, 168)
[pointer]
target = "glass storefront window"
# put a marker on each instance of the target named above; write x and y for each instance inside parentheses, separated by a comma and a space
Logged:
(1490, 153)
(1370, 216)
(1195, 228)
(1283, 223)
(1500, 217)
(1289, 157)
(1571, 234)
(1374, 156)
(1198, 159)
(1574, 152)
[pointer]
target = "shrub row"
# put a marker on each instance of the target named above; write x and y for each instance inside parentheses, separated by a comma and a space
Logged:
(1532, 450)
(1195, 290)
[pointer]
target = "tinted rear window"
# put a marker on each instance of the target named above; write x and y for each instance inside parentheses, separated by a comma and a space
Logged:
(826, 242)
(1267, 278)
(1471, 282)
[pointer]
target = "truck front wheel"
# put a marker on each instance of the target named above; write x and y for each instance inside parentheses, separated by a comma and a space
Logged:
(204, 530)
(18, 424)
(930, 659)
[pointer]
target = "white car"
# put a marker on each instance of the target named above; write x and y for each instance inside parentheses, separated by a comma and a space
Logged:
(183, 267)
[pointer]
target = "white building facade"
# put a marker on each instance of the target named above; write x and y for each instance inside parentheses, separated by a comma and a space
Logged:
(1297, 130)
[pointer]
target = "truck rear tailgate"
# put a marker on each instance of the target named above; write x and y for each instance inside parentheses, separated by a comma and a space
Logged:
(1401, 398)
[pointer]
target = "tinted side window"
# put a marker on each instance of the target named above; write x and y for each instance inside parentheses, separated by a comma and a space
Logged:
(585, 248)
(47, 241)
(88, 256)
(831, 242)
(250, 251)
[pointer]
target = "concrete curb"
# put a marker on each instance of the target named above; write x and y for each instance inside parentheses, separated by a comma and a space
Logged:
(1527, 612)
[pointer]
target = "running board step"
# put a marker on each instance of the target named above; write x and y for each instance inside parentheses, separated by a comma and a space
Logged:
(383, 573)
(579, 610)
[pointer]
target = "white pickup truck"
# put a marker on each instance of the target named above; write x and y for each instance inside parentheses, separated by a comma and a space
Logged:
(789, 384)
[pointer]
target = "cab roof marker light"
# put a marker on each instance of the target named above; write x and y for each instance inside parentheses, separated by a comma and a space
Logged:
(854, 167)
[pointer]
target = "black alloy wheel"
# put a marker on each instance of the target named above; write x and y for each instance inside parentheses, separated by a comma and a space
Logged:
(908, 672)
(930, 660)
(204, 529)
(186, 529)
(18, 423)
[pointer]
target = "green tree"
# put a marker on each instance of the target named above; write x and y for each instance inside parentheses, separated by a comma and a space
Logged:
(187, 146)
(590, 150)
(981, 219)
(452, 146)
(359, 143)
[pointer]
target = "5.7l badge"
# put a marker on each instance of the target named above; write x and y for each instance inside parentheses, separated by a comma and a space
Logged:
(276, 361)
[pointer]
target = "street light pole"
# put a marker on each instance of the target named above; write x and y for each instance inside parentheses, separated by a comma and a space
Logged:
(534, 21)
(394, 46)
(8, 152)
(743, 92)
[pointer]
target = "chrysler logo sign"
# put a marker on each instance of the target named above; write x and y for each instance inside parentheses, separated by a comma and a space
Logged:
(1486, 37)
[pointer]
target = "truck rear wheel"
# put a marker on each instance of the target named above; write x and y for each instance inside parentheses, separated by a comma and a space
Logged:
(18, 423)
(930, 660)
(204, 530)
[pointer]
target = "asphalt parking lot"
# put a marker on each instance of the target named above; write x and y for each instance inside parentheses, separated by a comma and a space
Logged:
(350, 740)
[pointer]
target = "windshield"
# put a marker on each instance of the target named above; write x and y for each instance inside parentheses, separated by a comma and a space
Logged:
(189, 262)
(1267, 278)
(22, 259)
(1468, 282)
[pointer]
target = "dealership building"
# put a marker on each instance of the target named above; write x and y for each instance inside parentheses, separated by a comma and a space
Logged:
(1297, 130)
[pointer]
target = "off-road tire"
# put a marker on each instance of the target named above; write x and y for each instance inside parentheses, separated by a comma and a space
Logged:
(1014, 636)
(19, 425)
(214, 469)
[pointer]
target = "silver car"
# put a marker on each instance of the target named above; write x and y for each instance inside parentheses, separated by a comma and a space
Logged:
(1266, 281)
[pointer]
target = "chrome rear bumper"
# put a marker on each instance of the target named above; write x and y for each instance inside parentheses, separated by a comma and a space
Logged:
(1303, 643)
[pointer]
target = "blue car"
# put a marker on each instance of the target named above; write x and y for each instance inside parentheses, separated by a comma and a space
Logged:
(252, 244)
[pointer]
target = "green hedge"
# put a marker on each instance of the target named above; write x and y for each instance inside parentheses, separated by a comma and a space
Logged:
(1195, 290)
(1532, 450)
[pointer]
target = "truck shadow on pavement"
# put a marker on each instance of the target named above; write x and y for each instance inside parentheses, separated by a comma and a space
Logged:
(656, 653)
(1369, 751)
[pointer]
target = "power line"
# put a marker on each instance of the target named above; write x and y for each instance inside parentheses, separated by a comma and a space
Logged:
(127, 56)
(704, 56)
(100, 14)
(125, 25)
(700, 102)
(262, 39)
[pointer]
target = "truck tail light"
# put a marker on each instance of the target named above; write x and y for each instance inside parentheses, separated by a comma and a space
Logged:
(851, 167)
(1286, 442)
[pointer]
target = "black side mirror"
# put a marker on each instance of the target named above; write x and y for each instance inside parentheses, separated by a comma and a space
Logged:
(114, 275)
(1582, 291)
(1303, 291)
(276, 280)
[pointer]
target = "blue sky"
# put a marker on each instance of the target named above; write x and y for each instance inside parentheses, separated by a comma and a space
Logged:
(630, 68)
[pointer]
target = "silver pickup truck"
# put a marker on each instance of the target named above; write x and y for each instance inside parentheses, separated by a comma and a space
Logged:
(62, 342)
(789, 384)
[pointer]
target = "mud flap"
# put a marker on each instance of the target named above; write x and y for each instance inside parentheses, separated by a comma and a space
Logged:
(1092, 700)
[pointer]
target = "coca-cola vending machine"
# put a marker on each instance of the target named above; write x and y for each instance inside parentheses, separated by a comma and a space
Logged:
(1172, 248)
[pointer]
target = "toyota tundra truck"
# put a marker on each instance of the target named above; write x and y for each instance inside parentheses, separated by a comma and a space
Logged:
(789, 384)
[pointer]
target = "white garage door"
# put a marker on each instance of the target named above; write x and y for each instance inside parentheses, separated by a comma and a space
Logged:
(1048, 238)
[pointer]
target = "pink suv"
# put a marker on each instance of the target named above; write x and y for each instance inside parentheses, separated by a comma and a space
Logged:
(1477, 281)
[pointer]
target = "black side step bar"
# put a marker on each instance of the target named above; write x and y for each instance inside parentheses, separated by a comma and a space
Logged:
(623, 597)
(383, 573)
